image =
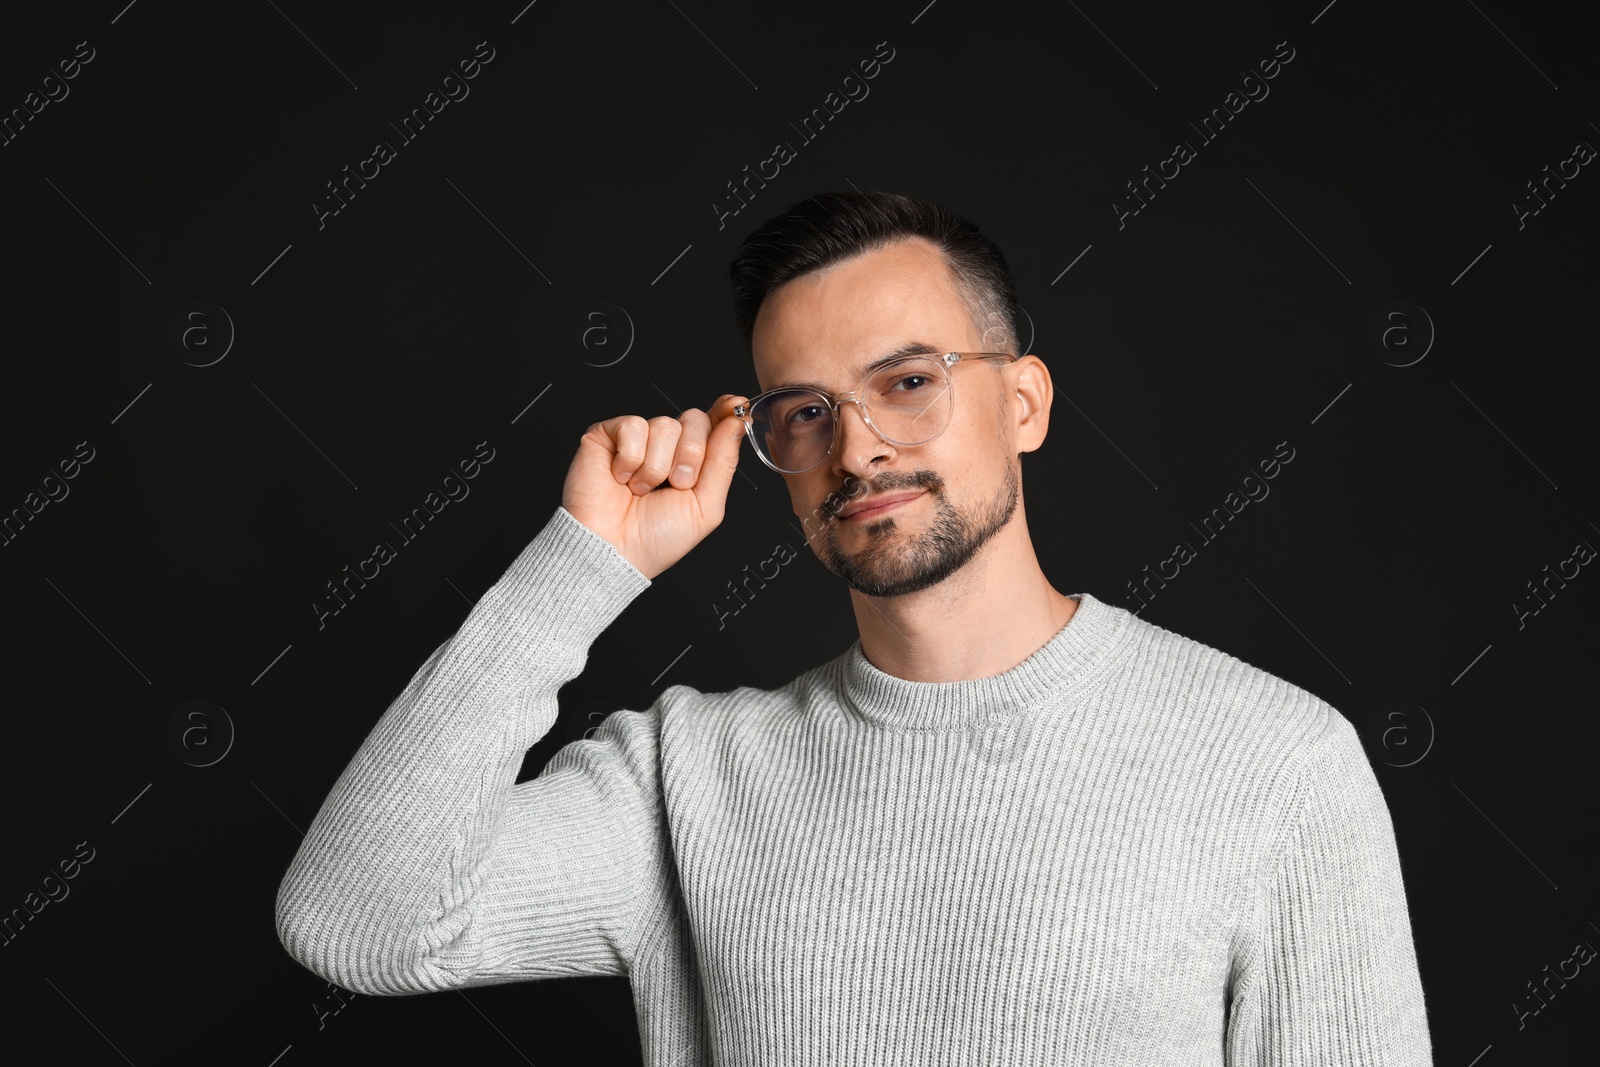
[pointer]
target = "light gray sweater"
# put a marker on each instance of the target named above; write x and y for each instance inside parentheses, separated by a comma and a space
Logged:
(1131, 848)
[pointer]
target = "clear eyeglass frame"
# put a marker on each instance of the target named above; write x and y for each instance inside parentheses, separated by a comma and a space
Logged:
(835, 401)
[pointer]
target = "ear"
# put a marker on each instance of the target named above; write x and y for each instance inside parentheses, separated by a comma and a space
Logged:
(1032, 394)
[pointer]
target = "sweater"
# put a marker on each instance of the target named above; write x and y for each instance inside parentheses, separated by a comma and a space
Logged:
(1130, 848)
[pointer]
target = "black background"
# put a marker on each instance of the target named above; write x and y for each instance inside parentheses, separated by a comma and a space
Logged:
(374, 353)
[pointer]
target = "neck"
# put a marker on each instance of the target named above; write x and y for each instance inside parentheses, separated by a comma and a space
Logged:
(986, 618)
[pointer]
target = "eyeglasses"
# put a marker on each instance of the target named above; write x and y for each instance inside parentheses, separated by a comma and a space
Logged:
(905, 402)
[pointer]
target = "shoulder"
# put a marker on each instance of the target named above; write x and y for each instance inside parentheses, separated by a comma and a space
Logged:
(1230, 711)
(1260, 749)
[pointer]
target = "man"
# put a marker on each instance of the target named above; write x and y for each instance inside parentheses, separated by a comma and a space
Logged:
(1006, 826)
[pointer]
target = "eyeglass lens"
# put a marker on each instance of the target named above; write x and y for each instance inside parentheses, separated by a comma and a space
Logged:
(909, 403)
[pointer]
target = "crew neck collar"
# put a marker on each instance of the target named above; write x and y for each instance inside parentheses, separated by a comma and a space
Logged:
(1050, 674)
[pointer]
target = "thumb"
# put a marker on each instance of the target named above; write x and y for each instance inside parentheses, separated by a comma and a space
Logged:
(722, 458)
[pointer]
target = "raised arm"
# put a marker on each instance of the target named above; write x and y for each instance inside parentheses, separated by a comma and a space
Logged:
(428, 868)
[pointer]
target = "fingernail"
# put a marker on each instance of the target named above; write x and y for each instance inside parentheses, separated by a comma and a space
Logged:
(624, 476)
(682, 471)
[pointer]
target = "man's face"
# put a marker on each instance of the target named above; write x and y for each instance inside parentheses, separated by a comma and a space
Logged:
(822, 329)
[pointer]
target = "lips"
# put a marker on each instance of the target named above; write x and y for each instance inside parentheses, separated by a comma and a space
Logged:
(874, 505)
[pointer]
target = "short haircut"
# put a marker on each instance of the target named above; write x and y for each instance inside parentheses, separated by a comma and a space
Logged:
(829, 227)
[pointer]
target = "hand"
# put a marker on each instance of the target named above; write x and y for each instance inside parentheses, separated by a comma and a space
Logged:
(611, 484)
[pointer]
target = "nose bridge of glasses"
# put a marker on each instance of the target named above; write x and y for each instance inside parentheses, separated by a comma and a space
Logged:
(854, 396)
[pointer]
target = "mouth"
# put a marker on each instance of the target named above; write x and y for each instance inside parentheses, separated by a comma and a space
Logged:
(873, 507)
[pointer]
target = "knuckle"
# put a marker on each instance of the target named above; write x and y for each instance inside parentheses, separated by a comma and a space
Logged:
(651, 474)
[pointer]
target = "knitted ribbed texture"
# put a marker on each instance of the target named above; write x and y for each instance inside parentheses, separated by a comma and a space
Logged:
(1131, 848)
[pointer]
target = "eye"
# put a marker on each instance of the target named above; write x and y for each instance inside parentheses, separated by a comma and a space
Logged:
(807, 413)
(912, 383)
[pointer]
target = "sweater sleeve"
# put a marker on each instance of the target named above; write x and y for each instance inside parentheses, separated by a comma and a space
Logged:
(427, 867)
(1328, 974)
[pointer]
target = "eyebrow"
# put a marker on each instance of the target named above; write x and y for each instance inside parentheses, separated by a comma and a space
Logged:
(909, 348)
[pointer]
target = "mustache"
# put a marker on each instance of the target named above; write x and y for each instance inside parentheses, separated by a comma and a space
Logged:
(887, 482)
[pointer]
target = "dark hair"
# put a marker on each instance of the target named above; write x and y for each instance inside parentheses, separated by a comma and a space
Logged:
(829, 227)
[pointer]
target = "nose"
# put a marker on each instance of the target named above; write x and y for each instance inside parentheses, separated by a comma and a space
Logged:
(857, 445)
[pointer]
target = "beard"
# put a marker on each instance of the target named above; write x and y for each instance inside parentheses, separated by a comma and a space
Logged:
(892, 564)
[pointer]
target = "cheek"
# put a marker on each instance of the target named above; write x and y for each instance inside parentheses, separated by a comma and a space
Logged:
(807, 495)
(805, 499)
(971, 467)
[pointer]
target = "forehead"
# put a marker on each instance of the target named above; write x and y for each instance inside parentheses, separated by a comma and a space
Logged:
(824, 326)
